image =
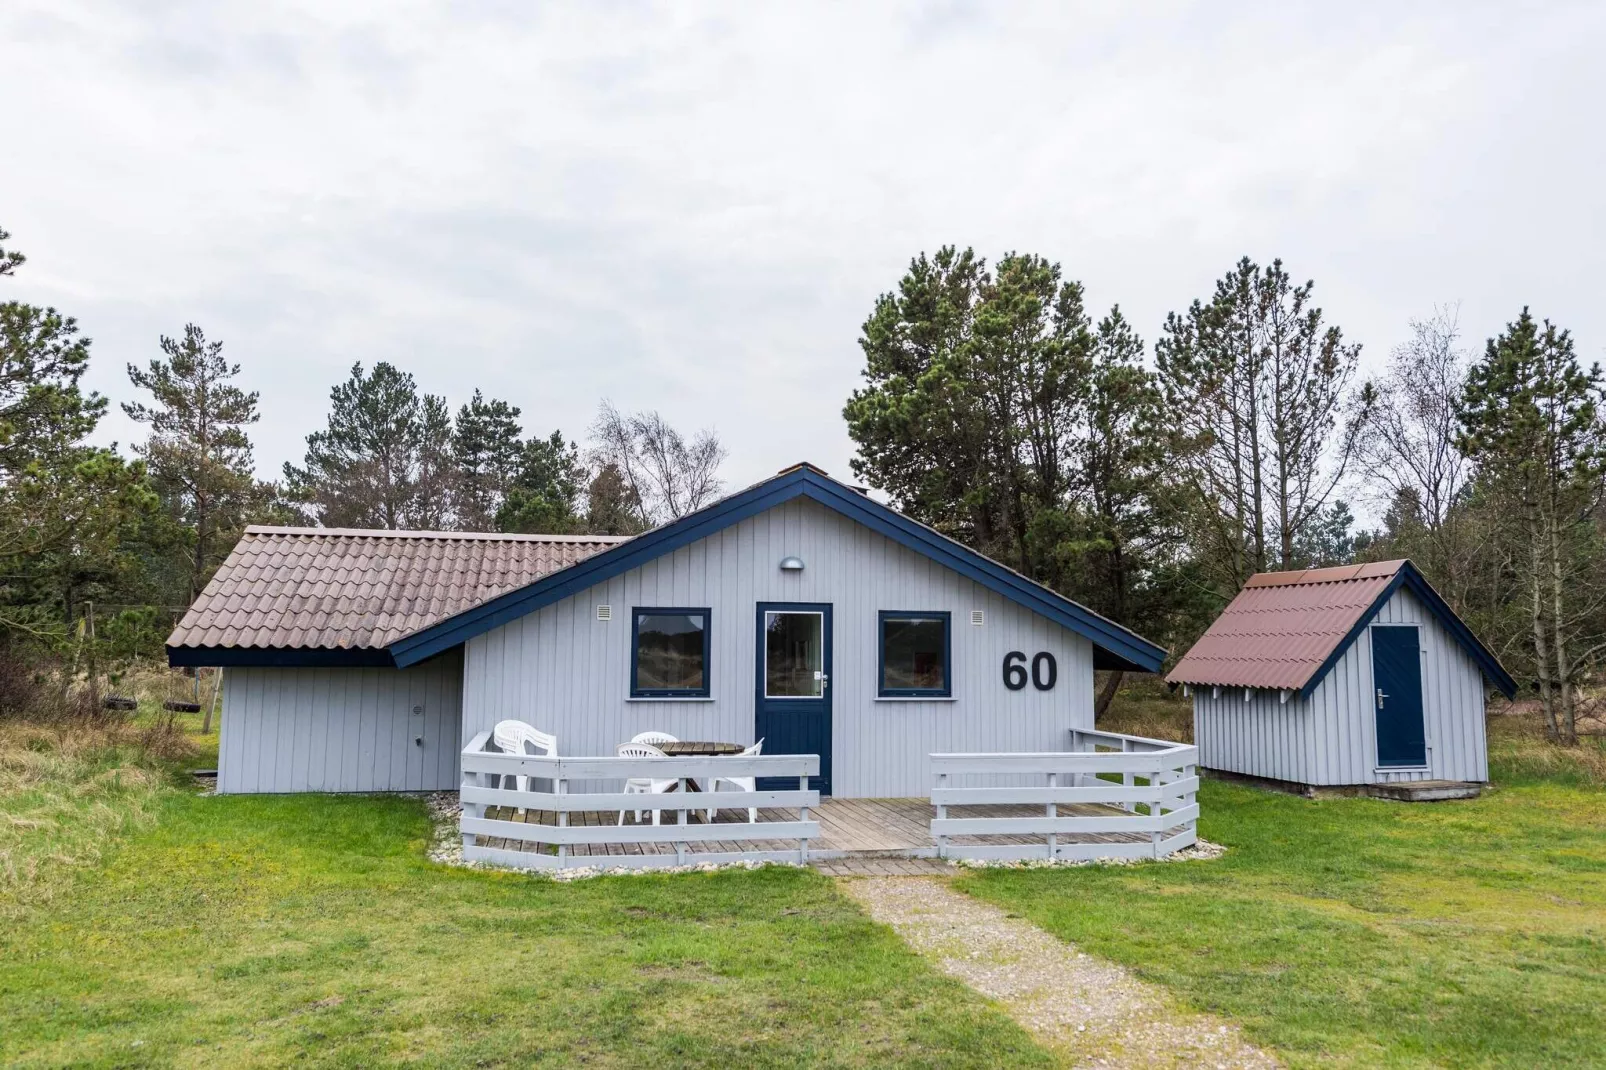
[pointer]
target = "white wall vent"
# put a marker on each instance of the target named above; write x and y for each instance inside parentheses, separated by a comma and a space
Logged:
(605, 613)
(978, 618)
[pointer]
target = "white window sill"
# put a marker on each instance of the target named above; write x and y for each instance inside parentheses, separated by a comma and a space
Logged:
(670, 698)
(1382, 769)
(916, 698)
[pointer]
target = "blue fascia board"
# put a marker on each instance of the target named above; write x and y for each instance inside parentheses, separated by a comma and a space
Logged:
(1128, 649)
(1410, 578)
(277, 657)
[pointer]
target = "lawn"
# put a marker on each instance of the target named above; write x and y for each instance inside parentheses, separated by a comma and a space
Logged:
(142, 924)
(1356, 932)
(264, 930)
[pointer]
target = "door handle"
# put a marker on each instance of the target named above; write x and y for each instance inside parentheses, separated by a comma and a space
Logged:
(822, 678)
(1380, 698)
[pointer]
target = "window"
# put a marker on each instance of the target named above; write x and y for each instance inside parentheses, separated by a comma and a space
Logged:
(669, 653)
(914, 655)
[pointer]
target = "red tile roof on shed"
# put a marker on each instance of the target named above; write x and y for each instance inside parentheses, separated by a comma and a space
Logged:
(353, 589)
(1282, 626)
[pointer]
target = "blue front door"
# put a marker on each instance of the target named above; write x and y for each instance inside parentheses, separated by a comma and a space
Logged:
(1397, 679)
(792, 707)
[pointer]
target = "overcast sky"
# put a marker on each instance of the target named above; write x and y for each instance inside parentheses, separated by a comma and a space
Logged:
(693, 208)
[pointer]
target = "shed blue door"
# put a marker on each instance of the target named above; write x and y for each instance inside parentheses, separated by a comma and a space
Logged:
(792, 708)
(1397, 676)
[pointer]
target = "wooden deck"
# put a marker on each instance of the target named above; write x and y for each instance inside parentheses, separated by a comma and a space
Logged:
(867, 828)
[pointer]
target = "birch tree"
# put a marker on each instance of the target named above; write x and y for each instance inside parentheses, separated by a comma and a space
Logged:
(668, 475)
(1408, 451)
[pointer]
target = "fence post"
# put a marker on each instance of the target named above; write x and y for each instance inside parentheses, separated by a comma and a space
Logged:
(942, 814)
(1053, 811)
(563, 818)
(1127, 779)
(467, 809)
(803, 815)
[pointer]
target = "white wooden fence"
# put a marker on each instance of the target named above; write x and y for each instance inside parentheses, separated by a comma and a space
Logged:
(585, 832)
(1148, 813)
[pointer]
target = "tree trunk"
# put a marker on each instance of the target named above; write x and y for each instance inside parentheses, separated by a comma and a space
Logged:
(1541, 654)
(201, 534)
(217, 686)
(1569, 725)
(1112, 684)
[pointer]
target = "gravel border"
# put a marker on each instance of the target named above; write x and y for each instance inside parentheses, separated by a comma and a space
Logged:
(1201, 851)
(1092, 1010)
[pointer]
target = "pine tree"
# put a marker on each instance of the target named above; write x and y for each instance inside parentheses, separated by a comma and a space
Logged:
(10, 260)
(973, 383)
(198, 454)
(1257, 390)
(436, 472)
(67, 508)
(374, 465)
(487, 449)
(1532, 422)
(543, 497)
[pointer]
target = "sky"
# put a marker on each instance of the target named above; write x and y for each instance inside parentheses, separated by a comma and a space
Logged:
(692, 208)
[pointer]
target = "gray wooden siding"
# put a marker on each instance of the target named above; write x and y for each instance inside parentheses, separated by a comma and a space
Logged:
(565, 672)
(1331, 739)
(295, 729)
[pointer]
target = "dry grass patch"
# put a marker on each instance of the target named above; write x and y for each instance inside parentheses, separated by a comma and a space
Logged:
(1519, 753)
(67, 791)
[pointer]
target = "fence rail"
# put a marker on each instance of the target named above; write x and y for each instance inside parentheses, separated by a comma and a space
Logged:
(1149, 812)
(577, 818)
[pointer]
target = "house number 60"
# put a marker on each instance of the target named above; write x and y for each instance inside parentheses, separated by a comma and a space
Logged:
(1045, 670)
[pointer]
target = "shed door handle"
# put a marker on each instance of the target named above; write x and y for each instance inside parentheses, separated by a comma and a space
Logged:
(1380, 698)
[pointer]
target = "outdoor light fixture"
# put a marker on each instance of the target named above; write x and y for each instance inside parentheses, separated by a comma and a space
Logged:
(791, 564)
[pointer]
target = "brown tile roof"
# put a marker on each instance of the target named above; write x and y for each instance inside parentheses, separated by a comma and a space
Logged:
(342, 588)
(1283, 625)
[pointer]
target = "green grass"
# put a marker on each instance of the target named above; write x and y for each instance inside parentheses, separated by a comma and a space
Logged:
(144, 925)
(1357, 932)
(264, 930)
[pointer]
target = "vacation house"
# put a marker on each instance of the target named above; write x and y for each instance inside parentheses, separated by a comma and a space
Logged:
(799, 614)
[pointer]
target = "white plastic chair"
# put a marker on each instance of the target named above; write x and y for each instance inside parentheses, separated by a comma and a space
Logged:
(643, 785)
(740, 783)
(653, 738)
(516, 737)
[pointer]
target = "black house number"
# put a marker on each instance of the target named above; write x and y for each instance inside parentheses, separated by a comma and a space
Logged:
(1045, 670)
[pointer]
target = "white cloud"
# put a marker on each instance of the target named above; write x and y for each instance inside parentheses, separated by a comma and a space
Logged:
(693, 208)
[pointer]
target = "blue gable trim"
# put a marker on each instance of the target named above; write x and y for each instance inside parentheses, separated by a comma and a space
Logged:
(311, 657)
(1114, 646)
(1413, 581)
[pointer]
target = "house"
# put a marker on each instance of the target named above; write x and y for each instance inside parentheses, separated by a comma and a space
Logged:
(799, 611)
(1351, 676)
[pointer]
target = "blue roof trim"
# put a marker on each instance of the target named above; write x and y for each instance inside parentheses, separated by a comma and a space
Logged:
(1409, 578)
(1124, 649)
(310, 657)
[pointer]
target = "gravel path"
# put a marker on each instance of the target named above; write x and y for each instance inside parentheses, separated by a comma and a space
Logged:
(1093, 1011)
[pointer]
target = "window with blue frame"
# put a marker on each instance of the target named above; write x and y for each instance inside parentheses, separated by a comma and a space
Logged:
(916, 655)
(669, 653)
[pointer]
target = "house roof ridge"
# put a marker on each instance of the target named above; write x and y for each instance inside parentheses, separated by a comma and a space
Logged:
(422, 534)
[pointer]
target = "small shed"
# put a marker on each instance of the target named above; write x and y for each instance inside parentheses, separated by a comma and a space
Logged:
(1335, 677)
